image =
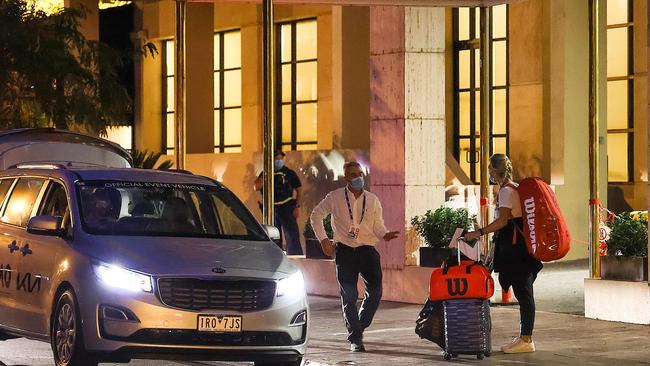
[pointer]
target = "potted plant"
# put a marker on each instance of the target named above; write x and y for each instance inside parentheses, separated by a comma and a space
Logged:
(437, 228)
(312, 245)
(627, 249)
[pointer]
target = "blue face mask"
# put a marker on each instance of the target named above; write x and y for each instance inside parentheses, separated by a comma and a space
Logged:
(357, 183)
(279, 164)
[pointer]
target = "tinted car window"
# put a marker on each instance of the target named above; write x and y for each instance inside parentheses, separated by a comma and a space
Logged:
(56, 202)
(227, 219)
(5, 184)
(164, 209)
(21, 201)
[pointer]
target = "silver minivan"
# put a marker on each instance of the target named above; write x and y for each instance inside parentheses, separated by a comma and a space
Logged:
(109, 264)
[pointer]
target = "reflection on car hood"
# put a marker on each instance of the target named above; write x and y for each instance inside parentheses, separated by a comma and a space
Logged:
(171, 256)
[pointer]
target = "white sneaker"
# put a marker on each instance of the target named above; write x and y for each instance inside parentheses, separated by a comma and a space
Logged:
(512, 341)
(520, 346)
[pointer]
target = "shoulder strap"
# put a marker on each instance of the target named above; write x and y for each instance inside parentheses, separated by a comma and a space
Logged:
(517, 228)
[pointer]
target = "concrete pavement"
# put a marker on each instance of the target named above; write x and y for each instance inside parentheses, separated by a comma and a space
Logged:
(562, 335)
(561, 339)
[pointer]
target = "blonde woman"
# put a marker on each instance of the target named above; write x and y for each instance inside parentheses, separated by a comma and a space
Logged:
(516, 267)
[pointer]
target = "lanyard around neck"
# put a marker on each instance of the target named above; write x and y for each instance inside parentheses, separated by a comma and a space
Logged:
(363, 209)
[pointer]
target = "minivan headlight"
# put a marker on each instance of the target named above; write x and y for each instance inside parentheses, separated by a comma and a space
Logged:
(115, 276)
(291, 286)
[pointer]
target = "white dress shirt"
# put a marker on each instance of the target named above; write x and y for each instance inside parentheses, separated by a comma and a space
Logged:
(371, 227)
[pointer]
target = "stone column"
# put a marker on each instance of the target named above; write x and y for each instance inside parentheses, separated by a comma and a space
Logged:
(200, 76)
(568, 127)
(407, 118)
(648, 114)
(526, 87)
(351, 84)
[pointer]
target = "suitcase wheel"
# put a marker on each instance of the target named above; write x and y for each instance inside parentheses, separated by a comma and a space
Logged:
(447, 356)
(479, 356)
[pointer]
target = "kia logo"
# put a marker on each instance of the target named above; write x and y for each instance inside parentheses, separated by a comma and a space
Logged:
(218, 270)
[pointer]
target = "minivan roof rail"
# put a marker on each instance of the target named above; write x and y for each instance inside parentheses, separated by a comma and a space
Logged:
(40, 166)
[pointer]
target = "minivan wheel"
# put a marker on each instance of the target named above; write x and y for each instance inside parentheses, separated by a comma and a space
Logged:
(66, 335)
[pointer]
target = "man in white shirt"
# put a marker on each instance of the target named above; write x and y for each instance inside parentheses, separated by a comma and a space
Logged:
(358, 225)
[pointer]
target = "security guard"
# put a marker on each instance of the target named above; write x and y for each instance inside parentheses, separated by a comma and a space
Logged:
(287, 205)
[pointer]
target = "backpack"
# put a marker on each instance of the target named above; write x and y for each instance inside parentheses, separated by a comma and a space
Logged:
(545, 231)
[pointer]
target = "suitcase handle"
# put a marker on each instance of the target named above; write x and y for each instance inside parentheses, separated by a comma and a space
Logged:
(445, 267)
(478, 246)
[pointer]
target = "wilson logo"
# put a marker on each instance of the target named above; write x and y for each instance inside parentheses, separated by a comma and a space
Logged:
(529, 205)
(456, 286)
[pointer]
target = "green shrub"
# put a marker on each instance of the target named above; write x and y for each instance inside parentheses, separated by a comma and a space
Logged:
(629, 237)
(309, 230)
(437, 228)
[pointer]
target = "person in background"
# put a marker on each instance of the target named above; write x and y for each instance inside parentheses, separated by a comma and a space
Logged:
(516, 267)
(358, 224)
(287, 204)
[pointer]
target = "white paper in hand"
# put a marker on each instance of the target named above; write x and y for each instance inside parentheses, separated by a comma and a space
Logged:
(465, 249)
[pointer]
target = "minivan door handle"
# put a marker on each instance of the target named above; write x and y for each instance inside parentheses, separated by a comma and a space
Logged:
(13, 247)
(25, 250)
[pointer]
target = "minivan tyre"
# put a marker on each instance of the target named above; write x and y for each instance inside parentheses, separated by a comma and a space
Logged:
(66, 336)
(297, 362)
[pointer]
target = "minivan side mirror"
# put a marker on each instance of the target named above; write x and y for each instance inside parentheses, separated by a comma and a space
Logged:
(46, 225)
(272, 232)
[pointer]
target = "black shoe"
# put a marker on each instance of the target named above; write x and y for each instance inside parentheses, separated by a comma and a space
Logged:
(357, 346)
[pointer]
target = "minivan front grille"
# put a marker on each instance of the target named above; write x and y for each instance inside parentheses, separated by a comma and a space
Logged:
(186, 337)
(201, 294)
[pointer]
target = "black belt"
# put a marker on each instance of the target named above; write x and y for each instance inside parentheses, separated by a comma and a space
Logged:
(347, 247)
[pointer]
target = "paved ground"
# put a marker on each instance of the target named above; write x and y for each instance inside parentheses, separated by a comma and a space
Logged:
(561, 338)
(559, 288)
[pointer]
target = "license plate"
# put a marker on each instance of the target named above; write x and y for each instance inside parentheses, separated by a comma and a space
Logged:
(219, 323)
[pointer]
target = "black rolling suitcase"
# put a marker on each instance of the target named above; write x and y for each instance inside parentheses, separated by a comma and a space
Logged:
(467, 328)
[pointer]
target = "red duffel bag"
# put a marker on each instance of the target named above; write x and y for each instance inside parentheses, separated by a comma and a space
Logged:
(468, 280)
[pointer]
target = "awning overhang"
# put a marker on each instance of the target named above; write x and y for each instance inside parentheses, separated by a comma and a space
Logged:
(425, 3)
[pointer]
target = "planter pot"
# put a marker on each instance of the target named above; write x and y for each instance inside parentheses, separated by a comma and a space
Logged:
(313, 249)
(624, 268)
(433, 257)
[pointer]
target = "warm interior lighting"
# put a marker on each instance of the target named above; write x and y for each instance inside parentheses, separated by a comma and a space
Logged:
(48, 6)
(17, 209)
(105, 4)
(121, 135)
(53, 6)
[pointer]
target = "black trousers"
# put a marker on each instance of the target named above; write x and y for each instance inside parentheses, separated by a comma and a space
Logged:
(350, 263)
(522, 285)
(288, 226)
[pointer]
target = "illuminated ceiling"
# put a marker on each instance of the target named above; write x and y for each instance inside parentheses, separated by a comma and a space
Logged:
(52, 6)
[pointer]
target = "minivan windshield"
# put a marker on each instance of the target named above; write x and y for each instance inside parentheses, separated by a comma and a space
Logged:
(164, 209)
